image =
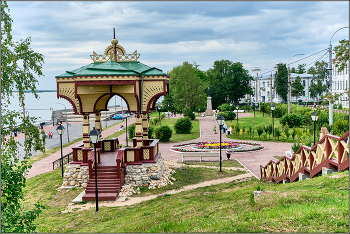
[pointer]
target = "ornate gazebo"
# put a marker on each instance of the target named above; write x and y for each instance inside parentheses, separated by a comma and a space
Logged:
(89, 89)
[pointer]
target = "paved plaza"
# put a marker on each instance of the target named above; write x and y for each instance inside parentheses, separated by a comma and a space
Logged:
(250, 160)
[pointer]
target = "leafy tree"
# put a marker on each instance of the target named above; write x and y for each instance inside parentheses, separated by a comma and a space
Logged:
(292, 70)
(187, 86)
(17, 77)
(228, 82)
(341, 54)
(301, 68)
(281, 81)
(319, 73)
(297, 87)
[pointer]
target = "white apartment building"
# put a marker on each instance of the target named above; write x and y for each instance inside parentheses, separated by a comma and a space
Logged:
(261, 86)
(340, 82)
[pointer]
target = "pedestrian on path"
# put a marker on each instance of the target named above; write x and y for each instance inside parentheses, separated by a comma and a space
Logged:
(180, 112)
(224, 128)
(214, 129)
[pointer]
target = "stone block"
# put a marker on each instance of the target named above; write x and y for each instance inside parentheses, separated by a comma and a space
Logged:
(84, 185)
(138, 183)
(72, 183)
(144, 177)
(79, 176)
(137, 178)
(303, 176)
(327, 171)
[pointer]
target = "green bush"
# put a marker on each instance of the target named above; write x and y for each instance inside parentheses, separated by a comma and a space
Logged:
(277, 133)
(150, 132)
(183, 126)
(226, 107)
(228, 115)
(295, 147)
(164, 133)
(260, 130)
(293, 120)
(131, 130)
(340, 127)
(189, 113)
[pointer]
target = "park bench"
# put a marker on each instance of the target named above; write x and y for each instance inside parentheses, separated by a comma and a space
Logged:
(199, 154)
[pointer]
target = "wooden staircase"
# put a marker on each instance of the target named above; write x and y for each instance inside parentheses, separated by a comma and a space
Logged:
(108, 184)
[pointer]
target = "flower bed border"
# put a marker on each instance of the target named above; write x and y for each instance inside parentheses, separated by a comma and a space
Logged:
(176, 148)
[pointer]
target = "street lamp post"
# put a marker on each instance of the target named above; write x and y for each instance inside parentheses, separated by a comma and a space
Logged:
(273, 120)
(237, 107)
(314, 118)
(220, 120)
(94, 136)
(168, 111)
(65, 111)
(159, 114)
(289, 81)
(60, 130)
(231, 108)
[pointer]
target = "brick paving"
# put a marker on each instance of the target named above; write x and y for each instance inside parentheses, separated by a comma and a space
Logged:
(45, 165)
(250, 160)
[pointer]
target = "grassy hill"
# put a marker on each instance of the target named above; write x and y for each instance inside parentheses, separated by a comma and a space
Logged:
(320, 204)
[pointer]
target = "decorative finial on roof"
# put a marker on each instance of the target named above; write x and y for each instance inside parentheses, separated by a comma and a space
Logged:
(115, 53)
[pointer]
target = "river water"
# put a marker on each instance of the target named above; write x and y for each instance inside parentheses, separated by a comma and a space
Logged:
(47, 101)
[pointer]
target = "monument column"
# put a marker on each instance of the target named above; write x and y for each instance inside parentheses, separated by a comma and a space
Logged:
(209, 111)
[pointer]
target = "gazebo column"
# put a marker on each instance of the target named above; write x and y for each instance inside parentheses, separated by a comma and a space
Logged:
(138, 130)
(98, 127)
(144, 127)
(86, 138)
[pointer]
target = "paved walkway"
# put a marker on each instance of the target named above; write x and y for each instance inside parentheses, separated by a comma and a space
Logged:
(250, 160)
(45, 164)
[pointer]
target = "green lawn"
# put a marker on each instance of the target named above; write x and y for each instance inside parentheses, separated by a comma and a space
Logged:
(320, 204)
(260, 119)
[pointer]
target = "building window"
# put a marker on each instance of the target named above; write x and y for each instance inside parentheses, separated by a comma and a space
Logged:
(304, 83)
(268, 84)
(264, 84)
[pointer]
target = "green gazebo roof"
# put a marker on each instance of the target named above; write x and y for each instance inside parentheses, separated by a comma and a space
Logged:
(111, 68)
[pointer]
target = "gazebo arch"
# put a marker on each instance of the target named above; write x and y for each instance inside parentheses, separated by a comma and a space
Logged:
(89, 88)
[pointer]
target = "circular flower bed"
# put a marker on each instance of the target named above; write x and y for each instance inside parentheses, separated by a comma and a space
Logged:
(208, 146)
(216, 145)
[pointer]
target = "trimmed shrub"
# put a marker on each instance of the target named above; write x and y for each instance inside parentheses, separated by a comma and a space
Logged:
(189, 113)
(164, 133)
(183, 126)
(293, 120)
(131, 130)
(228, 115)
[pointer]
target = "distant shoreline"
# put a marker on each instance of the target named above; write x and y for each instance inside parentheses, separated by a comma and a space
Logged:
(38, 91)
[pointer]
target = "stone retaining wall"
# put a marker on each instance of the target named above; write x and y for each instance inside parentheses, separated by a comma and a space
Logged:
(142, 175)
(76, 176)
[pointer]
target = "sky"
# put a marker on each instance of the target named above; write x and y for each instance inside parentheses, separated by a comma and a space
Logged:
(167, 33)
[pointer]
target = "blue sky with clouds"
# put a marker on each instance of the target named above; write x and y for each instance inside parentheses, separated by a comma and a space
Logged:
(256, 33)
